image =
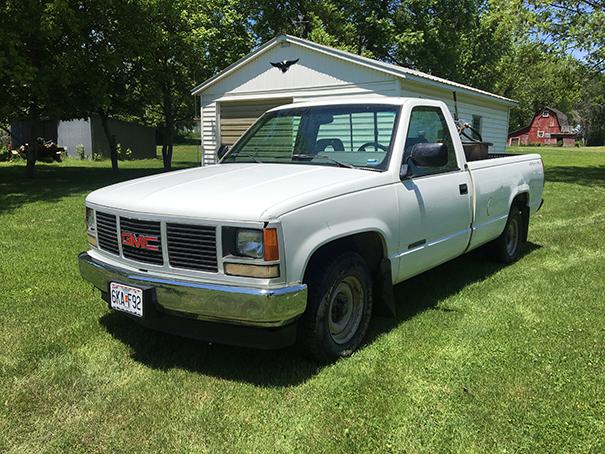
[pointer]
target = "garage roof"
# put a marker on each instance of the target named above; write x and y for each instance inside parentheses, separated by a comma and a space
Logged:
(394, 70)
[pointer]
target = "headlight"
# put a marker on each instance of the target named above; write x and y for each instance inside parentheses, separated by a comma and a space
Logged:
(249, 243)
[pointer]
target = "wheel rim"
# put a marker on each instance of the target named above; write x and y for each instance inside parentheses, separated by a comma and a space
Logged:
(512, 237)
(346, 309)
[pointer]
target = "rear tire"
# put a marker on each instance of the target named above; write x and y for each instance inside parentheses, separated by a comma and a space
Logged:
(339, 308)
(507, 247)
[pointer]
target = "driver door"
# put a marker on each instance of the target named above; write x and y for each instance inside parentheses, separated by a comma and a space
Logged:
(434, 202)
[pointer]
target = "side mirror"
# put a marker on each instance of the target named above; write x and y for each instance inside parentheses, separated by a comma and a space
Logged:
(429, 154)
(222, 151)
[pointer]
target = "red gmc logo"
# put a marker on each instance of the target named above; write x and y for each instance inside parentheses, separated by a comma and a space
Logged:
(149, 243)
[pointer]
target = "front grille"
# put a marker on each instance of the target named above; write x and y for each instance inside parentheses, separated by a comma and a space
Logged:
(192, 247)
(146, 238)
(107, 232)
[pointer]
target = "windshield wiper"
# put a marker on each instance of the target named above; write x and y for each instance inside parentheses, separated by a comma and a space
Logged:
(313, 156)
(373, 169)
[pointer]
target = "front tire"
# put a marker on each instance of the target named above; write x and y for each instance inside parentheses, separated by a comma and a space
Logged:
(507, 247)
(339, 308)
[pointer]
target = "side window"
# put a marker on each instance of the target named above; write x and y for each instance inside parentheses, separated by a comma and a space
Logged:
(428, 125)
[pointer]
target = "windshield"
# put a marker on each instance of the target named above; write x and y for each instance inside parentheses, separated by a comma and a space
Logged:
(345, 136)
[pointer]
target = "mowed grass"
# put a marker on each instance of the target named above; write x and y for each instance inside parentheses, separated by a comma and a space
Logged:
(481, 357)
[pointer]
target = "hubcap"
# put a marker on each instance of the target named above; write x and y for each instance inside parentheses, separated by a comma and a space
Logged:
(346, 309)
(512, 237)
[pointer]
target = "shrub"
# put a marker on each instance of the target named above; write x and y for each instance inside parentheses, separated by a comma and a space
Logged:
(124, 154)
(5, 154)
(97, 156)
(81, 151)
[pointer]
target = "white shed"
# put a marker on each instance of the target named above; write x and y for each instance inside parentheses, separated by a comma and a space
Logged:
(234, 98)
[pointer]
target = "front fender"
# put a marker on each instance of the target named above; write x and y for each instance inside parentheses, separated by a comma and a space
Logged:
(311, 227)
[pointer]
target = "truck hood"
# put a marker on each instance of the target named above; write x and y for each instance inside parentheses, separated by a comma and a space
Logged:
(240, 192)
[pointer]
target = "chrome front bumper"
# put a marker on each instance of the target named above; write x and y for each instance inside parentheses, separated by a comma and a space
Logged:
(209, 302)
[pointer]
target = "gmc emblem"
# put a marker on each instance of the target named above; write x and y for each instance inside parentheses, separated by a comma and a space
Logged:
(141, 241)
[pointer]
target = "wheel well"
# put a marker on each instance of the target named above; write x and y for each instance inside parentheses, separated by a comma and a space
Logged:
(372, 248)
(521, 201)
(370, 245)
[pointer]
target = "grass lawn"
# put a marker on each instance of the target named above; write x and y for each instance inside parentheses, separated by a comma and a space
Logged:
(481, 357)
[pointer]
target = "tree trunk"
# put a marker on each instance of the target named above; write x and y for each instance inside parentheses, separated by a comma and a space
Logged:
(167, 146)
(31, 160)
(169, 123)
(32, 146)
(113, 151)
(164, 149)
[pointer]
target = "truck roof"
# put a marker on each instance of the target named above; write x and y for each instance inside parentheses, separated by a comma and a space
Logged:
(394, 101)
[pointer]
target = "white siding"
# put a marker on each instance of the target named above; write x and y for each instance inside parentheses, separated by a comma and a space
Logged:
(209, 130)
(379, 88)
(313, 70)
(494, 116)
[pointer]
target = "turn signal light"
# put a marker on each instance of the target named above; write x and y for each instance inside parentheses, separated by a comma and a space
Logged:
(260, 271)
(92, 240)
(270, 243)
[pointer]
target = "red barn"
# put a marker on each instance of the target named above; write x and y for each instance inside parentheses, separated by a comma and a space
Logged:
(549, 126)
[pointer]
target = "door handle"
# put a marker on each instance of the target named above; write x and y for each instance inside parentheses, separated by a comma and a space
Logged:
(416, 244)
(463, 189)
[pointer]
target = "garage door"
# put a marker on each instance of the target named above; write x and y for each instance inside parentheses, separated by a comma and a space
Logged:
(237, 116)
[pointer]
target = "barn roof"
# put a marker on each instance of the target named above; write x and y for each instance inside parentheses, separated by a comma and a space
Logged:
(395, 70)
(518, 131)
(561, 117)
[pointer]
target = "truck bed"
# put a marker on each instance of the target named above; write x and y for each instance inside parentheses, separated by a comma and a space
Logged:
(478, 151)
(497, 159)
(496, 180)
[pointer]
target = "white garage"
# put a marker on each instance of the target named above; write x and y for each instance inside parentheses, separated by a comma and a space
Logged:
(234, 98)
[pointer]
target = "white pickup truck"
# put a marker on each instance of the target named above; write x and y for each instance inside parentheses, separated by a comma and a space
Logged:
(304, 226)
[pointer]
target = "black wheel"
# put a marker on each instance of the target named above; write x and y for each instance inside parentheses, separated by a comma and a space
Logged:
(507, 247)
(339, 308)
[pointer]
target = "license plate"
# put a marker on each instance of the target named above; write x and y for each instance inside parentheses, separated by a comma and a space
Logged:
(126, 299)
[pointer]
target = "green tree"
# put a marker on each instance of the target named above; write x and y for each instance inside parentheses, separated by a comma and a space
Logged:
(111, 62)
(458, 40)
(574, 25)
(589, 112)
(535, 76)
(363, 27)
(64, 59)
(186, 41)
(39, 49)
